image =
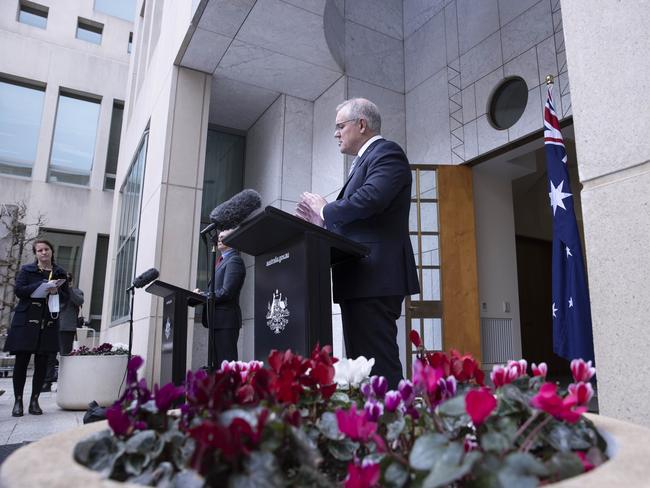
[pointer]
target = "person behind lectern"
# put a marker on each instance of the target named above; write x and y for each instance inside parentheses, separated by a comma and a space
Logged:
(372, 209)
(229, 275)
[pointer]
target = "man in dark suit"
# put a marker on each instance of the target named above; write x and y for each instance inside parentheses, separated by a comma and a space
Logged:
(229, 276)
(372, 209)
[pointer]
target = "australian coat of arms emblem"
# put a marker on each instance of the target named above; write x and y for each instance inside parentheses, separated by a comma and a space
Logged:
(277, 316)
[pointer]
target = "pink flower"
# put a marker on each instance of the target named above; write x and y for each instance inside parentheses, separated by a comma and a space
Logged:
(562, 409)
(479, 404)
(582, 392)
(373, 410)
(167, 395)
(502, 375)
(379, 386)
(355, 425)
(364, 476)
(582, 371)
(518, 368)
(540, 370)
(392, 400)
(425, 377)
(586, 464)
(469, 443)
(406, 391)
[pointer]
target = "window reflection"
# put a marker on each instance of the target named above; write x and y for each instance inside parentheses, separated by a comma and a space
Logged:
(124, 9)
(21, 109)
(73, 146)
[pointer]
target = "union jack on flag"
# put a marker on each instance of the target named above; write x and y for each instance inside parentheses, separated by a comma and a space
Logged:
(572, 334)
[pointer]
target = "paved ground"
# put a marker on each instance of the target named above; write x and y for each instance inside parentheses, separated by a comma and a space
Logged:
(15, 430)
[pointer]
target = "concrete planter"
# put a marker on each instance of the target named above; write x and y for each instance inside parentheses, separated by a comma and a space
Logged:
(83, 379)
(48, 463)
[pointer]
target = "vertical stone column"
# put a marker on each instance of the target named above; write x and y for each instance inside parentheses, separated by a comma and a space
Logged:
(609, 71)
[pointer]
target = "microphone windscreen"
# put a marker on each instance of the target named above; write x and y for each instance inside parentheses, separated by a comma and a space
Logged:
(233, 211)
(146, 277)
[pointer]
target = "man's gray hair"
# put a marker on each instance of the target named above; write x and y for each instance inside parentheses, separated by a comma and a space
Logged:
(361, 108)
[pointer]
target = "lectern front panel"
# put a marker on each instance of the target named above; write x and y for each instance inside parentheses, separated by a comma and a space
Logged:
(167, 340)
(281, 300)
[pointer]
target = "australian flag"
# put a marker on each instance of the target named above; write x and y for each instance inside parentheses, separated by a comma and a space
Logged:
(572, 336)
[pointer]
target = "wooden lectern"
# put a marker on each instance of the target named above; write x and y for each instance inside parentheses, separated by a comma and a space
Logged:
(293, 303)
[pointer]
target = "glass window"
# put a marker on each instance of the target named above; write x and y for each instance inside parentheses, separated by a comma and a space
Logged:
(21, 108)
(99, 276)
(89, 31)
(33, 14)
(508, 103)
(130, 200)
(67, 250)
(73, 145)
(223, 177)
(113, 145)
(124, 9)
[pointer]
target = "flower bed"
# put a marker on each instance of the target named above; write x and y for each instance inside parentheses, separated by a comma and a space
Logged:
(287, 424)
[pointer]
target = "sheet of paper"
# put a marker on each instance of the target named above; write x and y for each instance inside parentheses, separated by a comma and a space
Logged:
(42, 290)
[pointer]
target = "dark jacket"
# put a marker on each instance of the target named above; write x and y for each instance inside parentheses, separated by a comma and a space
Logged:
(373, 209)
(70, 310)
(229, 278)
(33, 328)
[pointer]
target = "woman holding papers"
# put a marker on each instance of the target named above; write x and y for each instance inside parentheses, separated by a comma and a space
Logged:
(40, 286)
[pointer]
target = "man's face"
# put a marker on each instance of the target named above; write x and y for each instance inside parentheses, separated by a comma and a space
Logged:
(350, 133)
(220, 245)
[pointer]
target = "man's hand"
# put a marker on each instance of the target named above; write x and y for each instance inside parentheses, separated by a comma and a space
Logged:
(309, 208)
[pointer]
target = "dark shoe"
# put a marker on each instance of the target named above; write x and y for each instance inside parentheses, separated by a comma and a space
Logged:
(18, 408)
(34, 407)
(47, 387)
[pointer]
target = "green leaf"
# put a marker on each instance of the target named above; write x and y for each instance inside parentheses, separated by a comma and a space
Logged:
(310, 477)
(342, 450)
(450, 466)
(495, 441)
(564, 465)
(395, 428)
(454, 407)
(329, 427)
(521, 470)
(99, 451)
(425, 450)
(395, 476)
(261, 471)
(305, 449)
(134, 463)
(146, 443)
(188, 479)
(340, 397)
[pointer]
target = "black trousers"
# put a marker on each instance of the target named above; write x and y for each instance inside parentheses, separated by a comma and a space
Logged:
(225, 345)
(370, 330)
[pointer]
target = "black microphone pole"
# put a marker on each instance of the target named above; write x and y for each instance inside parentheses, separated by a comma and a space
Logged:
(211, 312)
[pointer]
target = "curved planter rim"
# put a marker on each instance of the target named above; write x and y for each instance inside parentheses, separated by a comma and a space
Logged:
(48, 463)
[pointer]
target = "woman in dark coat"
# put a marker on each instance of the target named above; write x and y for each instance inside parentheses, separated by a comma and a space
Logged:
(34, 329)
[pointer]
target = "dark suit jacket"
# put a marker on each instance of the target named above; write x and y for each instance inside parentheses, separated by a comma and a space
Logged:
(32, 328)
(373, 209)
(229, 279)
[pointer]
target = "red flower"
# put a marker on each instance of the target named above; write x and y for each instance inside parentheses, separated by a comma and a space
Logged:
(355, 425)
(479, 404)
(118, 420)
(562, 409)
(540, 370)
(582, 392)
(364, 476)
(586, 464)
(415, 338)
(581, 370)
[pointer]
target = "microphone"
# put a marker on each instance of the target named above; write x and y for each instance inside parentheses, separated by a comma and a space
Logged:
(208, 228)
(144, 279)
(234, 211)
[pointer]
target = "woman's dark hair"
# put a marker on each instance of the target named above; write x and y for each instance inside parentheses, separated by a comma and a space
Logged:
(47, 243)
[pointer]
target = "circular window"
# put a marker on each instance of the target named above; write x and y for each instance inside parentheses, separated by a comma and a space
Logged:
(508, 103)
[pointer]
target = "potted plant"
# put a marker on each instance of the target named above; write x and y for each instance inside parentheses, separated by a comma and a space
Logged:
(91, 374)
(317, 421)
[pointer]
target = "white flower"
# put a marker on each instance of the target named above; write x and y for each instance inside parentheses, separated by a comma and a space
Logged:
(119, 345)
(351, 372)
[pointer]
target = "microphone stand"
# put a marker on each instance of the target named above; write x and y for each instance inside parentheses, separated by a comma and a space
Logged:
(132, 292)
(210, 304)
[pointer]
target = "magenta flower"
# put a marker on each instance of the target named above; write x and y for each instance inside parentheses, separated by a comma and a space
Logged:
(425, 378)
(500, 375)
(518, 368)
(540, 370)
(132, 369)
(479, 404)
(562, 409)
(167, 395)
(392, 400)
(373, 410)
(366, 390)
(364, 476)
(355, 425)
(379, 386)
(582, 392)
(447, 387)
(406, 391)
(581, 370)
(118, 420)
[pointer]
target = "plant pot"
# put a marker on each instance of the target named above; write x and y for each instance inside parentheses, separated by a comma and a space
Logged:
(83, 379)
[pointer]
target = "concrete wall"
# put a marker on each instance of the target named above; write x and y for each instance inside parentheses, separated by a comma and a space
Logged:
(606, 51)
(55, 58)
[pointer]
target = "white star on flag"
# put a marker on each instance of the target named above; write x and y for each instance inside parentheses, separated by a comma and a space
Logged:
(570, 302)
(554, 310)
(557, 196)
(568, 252)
